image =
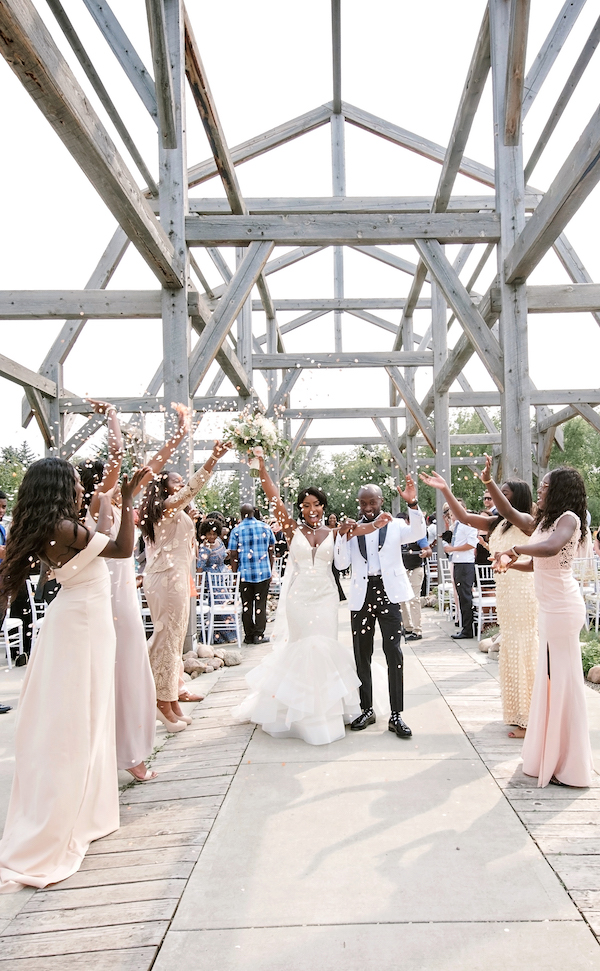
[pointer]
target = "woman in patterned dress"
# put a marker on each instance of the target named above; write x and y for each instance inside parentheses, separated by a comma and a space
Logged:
(515, 597)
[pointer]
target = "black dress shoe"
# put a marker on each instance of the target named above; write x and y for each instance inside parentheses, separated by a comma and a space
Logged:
(4, 709)
(461, 636)
(400, 727)
(261, 639)
(367, 718)
(414, 637)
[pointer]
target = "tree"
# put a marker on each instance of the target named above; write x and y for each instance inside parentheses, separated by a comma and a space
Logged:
(465, 484)
(14, 462)
(582, 451)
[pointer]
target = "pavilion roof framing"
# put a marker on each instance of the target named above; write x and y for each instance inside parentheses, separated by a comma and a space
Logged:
(256, 226)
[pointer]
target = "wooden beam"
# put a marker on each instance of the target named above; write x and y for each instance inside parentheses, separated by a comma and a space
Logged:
(354, 204)
(228, 361)
(413, 405)
(563, 99)
(557, 299)
(390, 259)
(103, 95)
(591, 416)
(515, 70)
(299, 437)
(37, 407)
(238, 289)
(75, 304)
(342, 229)
(165, 98)
(36, 60)
(572, 264)
(471, 321)
(577, 177)
(76, 441)
(259, 144)
(388, 440)
(327, 304)
(414, 143)
(265, 362)
(376, 321)
(125, 53)
(550, 50)
(339, 414)
(27, 379)
(558, 418)
(287, 383)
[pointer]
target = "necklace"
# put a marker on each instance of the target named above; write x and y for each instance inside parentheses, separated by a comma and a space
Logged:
(309, 525)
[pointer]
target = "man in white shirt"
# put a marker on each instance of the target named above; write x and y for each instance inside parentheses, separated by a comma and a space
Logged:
(461, 553)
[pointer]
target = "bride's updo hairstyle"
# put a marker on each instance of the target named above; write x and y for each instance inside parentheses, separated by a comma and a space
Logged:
(566, 490)
(312, 491)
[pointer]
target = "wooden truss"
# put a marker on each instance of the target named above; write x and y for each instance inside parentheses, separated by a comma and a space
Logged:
(507, 217)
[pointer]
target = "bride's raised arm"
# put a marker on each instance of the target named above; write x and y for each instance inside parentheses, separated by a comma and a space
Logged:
(271, 491)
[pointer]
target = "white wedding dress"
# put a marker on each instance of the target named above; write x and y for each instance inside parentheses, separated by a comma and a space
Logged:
(307, 687)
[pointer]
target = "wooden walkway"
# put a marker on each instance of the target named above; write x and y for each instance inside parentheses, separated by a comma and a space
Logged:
(115, 912)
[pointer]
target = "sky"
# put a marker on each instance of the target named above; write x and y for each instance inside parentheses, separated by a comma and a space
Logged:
(268, 62)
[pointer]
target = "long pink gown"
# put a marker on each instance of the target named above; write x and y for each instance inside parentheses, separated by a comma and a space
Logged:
(557, 742)
(65, 788)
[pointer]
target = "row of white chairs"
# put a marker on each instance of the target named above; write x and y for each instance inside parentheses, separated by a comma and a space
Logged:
(218, 603)
(11, 632)
(587, 573)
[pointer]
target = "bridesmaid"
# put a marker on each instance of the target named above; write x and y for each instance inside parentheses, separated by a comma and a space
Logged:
(557, 744)
(135, 692)
(170, 540)
(65, 791)
(515, 597)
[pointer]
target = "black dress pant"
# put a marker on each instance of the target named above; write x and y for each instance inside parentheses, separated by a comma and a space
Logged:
(464, 578)
(254, 603)
(378, 608)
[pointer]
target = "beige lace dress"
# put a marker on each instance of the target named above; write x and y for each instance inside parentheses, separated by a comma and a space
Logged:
(517, 616)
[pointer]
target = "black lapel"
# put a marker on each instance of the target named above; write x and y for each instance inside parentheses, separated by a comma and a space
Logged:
(362, 546)
(382, 535)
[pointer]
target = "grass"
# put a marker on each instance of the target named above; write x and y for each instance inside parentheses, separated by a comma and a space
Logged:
(590, 649)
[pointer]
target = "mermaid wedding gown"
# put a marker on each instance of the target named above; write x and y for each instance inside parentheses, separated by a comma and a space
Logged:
(307, 687)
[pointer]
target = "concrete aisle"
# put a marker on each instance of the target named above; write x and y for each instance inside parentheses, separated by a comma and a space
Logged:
(378, 853)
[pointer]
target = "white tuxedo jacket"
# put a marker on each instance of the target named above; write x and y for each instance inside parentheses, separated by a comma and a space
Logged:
(395, 581)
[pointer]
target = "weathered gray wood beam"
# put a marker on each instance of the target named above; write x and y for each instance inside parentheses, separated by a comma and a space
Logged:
(591, 416)
(390, 259)
(490, 399)
(103, 95)
(414, 143)
(75, 304)
(300, 436)
(572, 264)
(352, 204)
(312, 451)
(294, 324)
(36, 60)
(550, 50)
(556, 299)
(163, 81)
(259, 144)
(125, 53)
(265, 362)
(485, 439)
(228, 361)
(515, 70)
(37, 407)
(287, 383)
(376, 321)
(337, 414)
(412, 405)
(76, 441)
(327, 304)
(18, 374)
(577, 177)
(480, 412)
(564, 98)
(471, 321)
(388, 440)
(558, 418)
(238, 289)
(339, 229)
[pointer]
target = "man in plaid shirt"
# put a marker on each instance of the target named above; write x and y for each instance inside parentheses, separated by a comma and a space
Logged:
(252, 545)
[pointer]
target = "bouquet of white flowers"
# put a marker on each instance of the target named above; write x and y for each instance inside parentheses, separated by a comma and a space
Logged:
(250, 429)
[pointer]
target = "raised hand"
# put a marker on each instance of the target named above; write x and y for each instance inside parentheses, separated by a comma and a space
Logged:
(259, 451)
(346, 526)
(383, 519)
(220, 448)
(409, 493)
(502, 561)
(100, 407)
(435, 480)
(184, 416)
(486, 475)
(128, 486)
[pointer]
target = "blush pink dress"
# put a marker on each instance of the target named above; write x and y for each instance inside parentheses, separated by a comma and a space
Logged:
(557, 742)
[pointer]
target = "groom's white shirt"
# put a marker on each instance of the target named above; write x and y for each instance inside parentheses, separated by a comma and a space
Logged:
(395, 580)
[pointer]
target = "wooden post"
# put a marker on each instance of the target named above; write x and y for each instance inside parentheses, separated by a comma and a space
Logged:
(510, 203)
(441, 412)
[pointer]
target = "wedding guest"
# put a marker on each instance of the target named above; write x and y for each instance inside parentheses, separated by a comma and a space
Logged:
(414, 555)
(557, 746)
(461, 553)
(516, 602)
(65, 789)
(170, 541)
(252, 548)
(212, 554)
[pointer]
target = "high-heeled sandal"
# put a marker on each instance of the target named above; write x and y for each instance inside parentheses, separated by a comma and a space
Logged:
(173, 727)
(184, 718)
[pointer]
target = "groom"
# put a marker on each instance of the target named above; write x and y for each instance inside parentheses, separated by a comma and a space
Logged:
(379, 585)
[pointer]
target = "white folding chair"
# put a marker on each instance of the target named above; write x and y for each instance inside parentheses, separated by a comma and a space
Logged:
(445, 588)
(202, 607)
(591, 596)
(276, 578)
(224, 602)
(484, 598)
(11, 634)
(145, 612)
(38, 612)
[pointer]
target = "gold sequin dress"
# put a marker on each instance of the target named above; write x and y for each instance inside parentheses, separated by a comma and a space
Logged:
(517, 616)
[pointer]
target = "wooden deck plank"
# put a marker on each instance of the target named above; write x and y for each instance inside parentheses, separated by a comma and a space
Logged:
(104, 915)
(126, 959)
(147, 857)
(158, 840)
(123, 936)
(127, 874)
(91, 897)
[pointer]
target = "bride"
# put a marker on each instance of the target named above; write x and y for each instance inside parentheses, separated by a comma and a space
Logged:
(307, 686)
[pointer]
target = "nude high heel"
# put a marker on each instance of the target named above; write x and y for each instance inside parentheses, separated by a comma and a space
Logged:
(178, 726)
(185, 718)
